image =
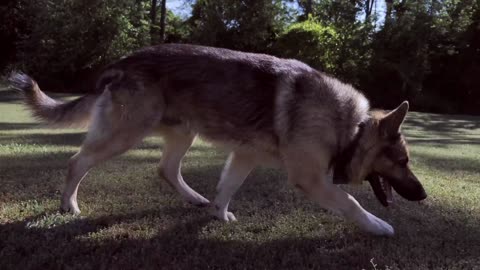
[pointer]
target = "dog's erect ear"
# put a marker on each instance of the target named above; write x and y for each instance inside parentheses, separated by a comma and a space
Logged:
(391, 123)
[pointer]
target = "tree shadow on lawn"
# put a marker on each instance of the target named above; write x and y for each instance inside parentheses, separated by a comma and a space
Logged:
(448, 164)
(442, 131)
(57, 139)
(417, 245)
(19, 126)
(445, 141)
(67, 139)
(442, 123)
(10, 96)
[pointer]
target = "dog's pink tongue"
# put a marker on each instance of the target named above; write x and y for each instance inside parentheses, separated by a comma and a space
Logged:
(388, 192)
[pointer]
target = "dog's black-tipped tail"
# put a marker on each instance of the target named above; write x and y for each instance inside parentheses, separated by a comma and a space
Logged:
(75, 113)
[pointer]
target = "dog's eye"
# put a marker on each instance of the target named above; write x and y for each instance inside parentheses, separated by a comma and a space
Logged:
(395, 138)
(403, 162)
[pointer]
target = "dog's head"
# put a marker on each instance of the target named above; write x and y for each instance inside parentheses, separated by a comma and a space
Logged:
(382, 157)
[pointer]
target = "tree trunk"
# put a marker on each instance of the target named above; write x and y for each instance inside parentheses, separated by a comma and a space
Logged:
(163, 18)
(368, 8)
(388, 13)
(153, 19)
(308, 8)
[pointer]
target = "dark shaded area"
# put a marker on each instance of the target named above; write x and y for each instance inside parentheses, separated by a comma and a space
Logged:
(18, 126)
(181, 246)
(11, 27)
(10, 96)
(442, 142)
(69, 139)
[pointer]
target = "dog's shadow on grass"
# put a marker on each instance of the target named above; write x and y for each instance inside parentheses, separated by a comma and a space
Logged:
(178, 247)
(182, 246)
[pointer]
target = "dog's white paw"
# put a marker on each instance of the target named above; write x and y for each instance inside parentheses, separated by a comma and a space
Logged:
(223, 215)
(70, 207)
(374, 225)
(198, 200)
(231, 216)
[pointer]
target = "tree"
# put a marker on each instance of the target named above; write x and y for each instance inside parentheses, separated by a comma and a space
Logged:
(311, 42)
(352, 51)
(59, 46)
(153, 20)
(163, 18)
(421, 50)
(177, 30)
(369, 4)
(250, 25)
(12, 25)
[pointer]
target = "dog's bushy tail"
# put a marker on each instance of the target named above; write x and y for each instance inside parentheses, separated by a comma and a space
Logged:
(56, 113)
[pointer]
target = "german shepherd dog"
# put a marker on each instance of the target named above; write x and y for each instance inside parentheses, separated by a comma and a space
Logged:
(264, 110)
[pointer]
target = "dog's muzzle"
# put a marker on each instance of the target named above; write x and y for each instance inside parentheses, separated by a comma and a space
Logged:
(409, 188)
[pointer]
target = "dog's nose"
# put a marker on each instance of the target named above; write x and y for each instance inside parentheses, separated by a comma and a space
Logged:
(414, 191)
(409, 188)
(422, 194)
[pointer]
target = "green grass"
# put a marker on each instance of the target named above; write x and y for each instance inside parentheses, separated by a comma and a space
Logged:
(130, 219)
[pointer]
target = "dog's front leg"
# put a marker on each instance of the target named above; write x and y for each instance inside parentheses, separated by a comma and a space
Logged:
(331, 197)
(237, 168)
(310, 174)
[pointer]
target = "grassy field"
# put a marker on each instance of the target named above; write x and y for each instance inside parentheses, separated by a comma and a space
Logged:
(132, 220)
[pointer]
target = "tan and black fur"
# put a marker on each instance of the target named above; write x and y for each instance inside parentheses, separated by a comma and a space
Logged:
(264, 110)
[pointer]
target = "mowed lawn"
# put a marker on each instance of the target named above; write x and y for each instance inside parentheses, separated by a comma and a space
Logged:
(132, 220)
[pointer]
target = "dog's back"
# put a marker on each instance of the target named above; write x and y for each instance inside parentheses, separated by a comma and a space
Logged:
(241, 98)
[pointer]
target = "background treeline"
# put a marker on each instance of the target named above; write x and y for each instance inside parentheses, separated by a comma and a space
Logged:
(425, 51)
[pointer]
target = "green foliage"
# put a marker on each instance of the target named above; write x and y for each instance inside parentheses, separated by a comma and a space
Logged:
(417, 56)
(61, 42)
(251, 25)
(425, 51)
(177, 30)
(342, 50)
(311, 42)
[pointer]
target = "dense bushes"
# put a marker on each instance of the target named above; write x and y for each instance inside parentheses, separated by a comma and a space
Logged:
(312, 43)
(65, 38)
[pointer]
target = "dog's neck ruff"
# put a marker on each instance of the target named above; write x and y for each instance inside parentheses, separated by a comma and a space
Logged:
(343, 159)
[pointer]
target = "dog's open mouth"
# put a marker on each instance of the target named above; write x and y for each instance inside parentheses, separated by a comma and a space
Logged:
(382, 189)
(409, 188)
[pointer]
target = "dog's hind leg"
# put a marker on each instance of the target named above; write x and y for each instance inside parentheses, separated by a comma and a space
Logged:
(237, 168)
(176, 145)
(110, 134)
(92, 154)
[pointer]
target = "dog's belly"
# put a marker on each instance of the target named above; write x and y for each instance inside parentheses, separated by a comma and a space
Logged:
(259, 146)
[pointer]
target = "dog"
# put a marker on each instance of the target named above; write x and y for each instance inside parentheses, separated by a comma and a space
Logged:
(266, 111)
